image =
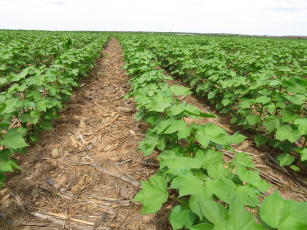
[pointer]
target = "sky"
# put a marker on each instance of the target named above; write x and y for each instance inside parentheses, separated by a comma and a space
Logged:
(252, 17)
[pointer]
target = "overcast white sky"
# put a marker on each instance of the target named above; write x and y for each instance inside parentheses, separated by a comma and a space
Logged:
(270, 17)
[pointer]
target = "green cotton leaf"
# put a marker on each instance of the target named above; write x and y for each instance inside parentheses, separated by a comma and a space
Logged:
(194, 111)
(51, 115)
(162, 141)
(172, 126)
(223, 188)
(12, 105)
(13, 142)
(5, 154)
(296, 84)
(180, 90)
(239, 218)
(271, 124)
(217, 171)
(141, 100)
(214, 212)
(19, 76)
(149, 143)
(281, 104)
(302, 125)
(226, 101)
(194, 81)
(303, 154)
(253, 178)
(274, 83)
(235, 138)
(35, 96)
(159, 103)
(196, 200)
(41, 106)
(211, 94)
(152, 120)
(45, 125)
(297, 216)
(202, 138)
(153, 194)
(8, 166)
(209, 157)
(13, 139)
(271, 108)
(2, 67)
(188, 185)
(221, 139)
(5, 125)
(260, 140)
(285, 159)
(28, 104)
(31, 117)
(295, 168)
(204, 226)
(68, 43)
(252, 119)
(288, 116)
(286, 132)
(263, 100)
(211, 132)
(248, 195)
(245, 103)
(187, 110)
(2, 98)
(242, 160)
(20, 131)
(183, 133)
(181, 217)
(298, 99)
(3, 81)
(176, 109)
(283, 214)
(176, 162)
(51, 75)
(2, 107)
(163, 125)
(284, 68)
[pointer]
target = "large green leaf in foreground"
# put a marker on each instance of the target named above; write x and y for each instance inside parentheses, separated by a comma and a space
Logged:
(153, 194)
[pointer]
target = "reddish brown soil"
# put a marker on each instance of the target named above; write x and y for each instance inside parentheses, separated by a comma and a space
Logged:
(83, 174)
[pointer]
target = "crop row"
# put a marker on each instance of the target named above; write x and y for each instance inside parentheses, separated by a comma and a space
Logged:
(261, 89)
(205, 191)
(35, 96)
(36, 49)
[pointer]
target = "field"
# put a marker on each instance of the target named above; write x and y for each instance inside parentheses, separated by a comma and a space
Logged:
(215, 127)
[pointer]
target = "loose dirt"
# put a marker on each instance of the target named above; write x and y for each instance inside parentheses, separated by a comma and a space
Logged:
(84, 173)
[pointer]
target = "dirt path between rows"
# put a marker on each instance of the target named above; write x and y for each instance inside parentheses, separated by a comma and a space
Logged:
(83, 174)
(279, 177)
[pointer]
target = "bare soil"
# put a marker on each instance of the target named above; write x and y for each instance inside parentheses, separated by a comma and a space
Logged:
(84, 173)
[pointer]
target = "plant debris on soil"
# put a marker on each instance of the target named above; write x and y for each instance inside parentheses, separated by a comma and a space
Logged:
(84, 173)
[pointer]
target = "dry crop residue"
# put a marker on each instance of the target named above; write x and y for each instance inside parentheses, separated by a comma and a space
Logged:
(83, 174)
